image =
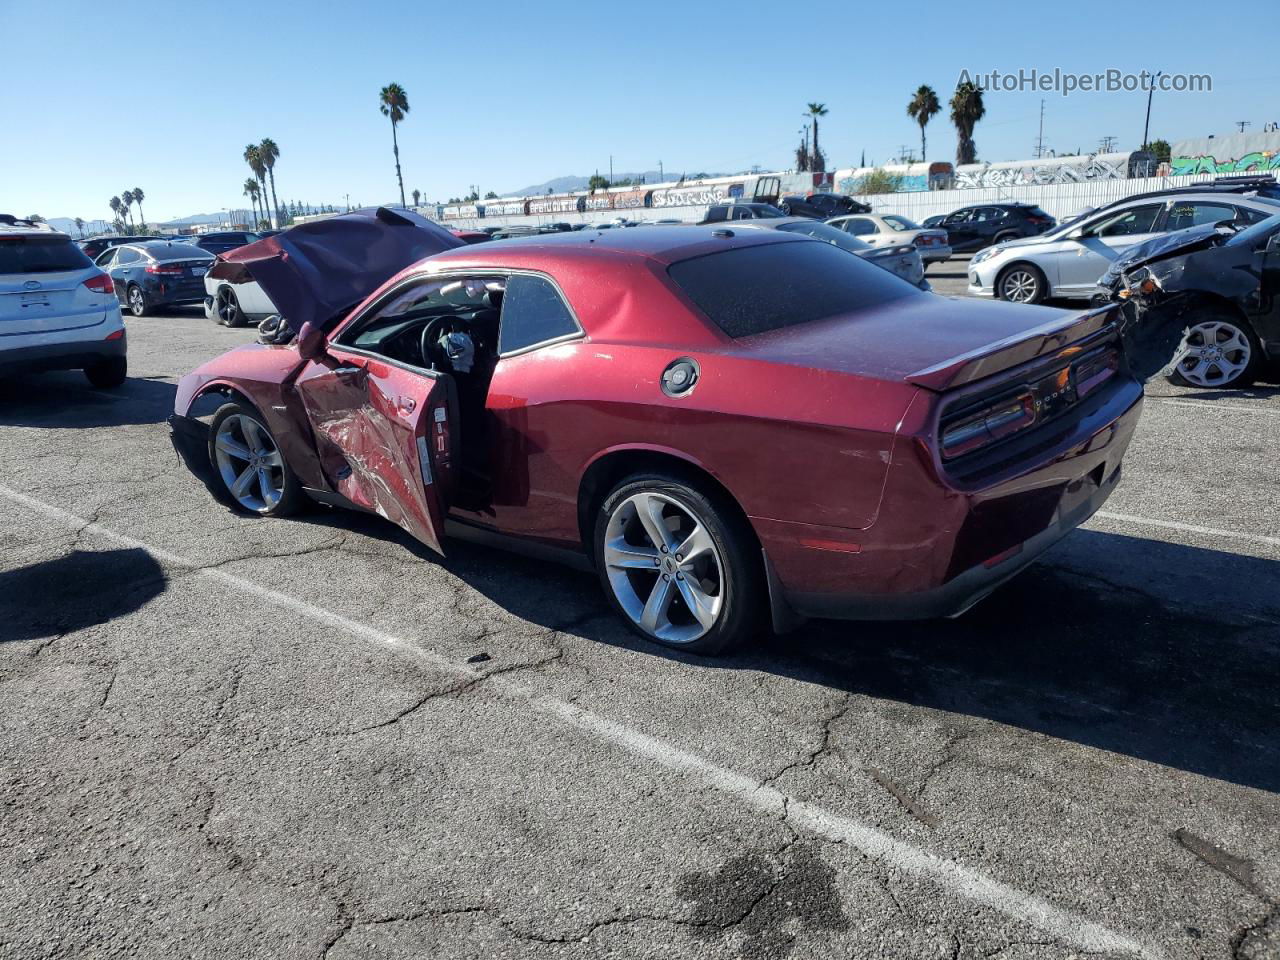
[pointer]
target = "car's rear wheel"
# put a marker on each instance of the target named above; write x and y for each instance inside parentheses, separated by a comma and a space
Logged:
(679, 564)
(255, 477)
(107, 373)
(227, 308)
(1218, 351)
(1021, 283)
(137, 300)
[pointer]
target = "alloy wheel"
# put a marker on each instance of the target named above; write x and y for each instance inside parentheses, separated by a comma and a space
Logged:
(137, 302)
(227, 307)
(249, 463)
(1213, 354)
(664, 567)
(1019, 286)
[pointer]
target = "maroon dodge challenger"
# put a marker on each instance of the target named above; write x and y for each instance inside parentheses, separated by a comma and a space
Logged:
(733, 429)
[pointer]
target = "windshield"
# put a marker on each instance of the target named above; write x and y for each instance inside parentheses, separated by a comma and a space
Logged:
(751, 290)
(824, 231)
(1258, 233)
(40, 255)
(900, 223)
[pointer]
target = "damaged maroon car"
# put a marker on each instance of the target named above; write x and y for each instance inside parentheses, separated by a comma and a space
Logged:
(732, 429)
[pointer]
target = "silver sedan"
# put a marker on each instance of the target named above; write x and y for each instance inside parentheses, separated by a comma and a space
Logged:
(891, 230)
(902, 260)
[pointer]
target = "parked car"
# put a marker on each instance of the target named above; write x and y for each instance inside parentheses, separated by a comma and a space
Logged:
(57, 310)
(734, 427)
(156, 273)
(471, 236)
(224, 240)
(981, 225)
(934, 221)
(720, 212)
(1066, 262)
(903, 260)
(820, 205)
(94, 246)
(233, 299)
(891, 230)
(1215, 292)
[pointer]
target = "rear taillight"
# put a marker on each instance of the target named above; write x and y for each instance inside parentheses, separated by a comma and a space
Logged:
(166, 269)
(972, 429)
(100, 283)
(922, 240)
(1095, 371)
(117, 335)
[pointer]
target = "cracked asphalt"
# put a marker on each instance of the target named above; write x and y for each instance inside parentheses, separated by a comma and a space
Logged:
(224, 736)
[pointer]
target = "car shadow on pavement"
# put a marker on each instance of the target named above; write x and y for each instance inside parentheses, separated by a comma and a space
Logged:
(43, 601)
(65, 400)
(1056, 651)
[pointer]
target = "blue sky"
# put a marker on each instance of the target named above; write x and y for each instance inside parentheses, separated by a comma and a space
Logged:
(96, 99)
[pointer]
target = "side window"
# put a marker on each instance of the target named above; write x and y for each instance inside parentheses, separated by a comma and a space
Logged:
(1128, 222)
(989, 214)
(532, 313)
(1249, 217)
(105, 258)
(1183, 215)
(127, 255)
(860, 227)
(741, 213)
(960, 216)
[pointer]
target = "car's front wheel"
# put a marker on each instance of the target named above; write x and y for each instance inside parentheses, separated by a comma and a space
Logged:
(1218, 351)
(679, 564)
(227, 308)
(253, 472)
(1021, 283)
(137, 300)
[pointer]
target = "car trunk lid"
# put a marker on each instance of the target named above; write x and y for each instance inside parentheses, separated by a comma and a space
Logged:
(49, 302)
(934, 342)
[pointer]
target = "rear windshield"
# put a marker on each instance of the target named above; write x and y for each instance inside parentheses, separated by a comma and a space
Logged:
(177, 251)
(40, 255)
(756, 289)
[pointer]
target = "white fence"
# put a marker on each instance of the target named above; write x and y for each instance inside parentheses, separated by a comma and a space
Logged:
(1057, 199)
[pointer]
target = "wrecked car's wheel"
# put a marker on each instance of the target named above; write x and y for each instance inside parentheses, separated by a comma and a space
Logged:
(245, 456)
(679, 566)
(227, 308)
(137, 300)
(1218, 351)
(1021, 283)
(108, 373)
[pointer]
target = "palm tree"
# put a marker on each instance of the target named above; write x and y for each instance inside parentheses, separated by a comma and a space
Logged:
(417, 197)
(253, 157)
(923, 107)
(816, 160)
(138, 197)
(270, 153)
(393, 102)
(126, 199)
(79, 226)
(967, 109)
(116, 207)
(251, 191)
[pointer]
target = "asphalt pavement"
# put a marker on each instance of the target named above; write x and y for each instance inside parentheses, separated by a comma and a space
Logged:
(224, 736)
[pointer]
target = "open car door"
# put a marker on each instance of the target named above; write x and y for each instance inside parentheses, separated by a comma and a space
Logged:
(385, 435)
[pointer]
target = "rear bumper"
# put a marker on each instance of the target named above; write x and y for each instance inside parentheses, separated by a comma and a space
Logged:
(934, 254)
(935, 550)
(75, 355)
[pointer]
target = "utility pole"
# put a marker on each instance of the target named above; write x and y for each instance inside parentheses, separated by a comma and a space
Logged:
(1106, 144)
(611, 169)
(1039, 151)
(661, 176)
(1242, 124)
(1146, 127)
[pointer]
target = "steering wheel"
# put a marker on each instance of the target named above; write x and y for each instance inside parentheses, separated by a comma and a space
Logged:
(429, 339)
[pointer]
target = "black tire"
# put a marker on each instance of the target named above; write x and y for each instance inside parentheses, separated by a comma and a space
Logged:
(741, 588)
(136, 298)
(785, 208)
(108, 373)
(226, 308)
(1007, 235)
(1251, 369)
(291, 500)
(1031, 279)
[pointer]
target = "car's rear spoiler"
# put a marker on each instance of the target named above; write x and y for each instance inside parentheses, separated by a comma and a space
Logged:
(1013, 351)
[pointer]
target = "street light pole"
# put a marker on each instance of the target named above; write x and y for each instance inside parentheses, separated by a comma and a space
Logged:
(1146, 127)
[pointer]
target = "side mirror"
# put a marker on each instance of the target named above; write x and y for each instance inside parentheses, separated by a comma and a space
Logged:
(310, 342)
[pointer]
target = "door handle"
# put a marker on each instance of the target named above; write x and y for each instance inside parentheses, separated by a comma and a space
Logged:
(348, 369)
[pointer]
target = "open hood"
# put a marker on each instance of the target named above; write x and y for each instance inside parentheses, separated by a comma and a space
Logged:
(316, 272)
(1170, 245)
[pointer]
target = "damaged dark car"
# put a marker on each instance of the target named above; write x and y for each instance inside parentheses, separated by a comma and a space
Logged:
(1208, 301)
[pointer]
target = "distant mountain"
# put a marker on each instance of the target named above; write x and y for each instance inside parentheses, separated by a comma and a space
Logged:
(569, 184)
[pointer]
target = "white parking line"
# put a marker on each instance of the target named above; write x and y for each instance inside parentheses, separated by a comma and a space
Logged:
(1214, 406)
(958, 879)
(1190, 528)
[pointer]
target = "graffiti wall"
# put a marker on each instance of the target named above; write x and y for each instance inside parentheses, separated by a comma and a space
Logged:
(1051, 170)
(1236, 153)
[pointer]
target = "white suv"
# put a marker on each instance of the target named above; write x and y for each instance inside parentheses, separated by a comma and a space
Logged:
(57, 310)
